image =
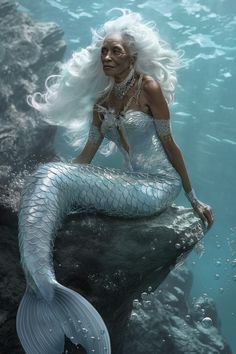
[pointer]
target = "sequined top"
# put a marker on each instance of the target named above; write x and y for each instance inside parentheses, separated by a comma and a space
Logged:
(137, 136)
(145, 151)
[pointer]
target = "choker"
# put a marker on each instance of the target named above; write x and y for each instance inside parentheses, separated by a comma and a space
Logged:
(120, 89)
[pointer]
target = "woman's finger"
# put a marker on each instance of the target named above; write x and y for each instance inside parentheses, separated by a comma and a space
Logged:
(205, 213)
(208, 216)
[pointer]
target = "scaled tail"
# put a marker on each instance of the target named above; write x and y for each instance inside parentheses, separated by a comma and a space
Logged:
(42, 325)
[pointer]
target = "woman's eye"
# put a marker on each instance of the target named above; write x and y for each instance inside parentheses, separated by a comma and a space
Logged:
(104, 51)
(117, 51)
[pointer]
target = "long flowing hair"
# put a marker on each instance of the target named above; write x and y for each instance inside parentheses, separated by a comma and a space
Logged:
(70, 96)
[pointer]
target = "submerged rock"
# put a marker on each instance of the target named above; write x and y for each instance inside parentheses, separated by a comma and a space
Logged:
(169, 322)
(117, 260)
(28, 53)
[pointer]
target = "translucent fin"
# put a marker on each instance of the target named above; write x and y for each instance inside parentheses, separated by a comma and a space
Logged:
(42, 325)
(38, 329)
(81, 323)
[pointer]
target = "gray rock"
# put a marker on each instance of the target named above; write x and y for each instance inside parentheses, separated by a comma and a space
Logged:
(28, 53)
(173, 324)
(116, 260)
(25, 140)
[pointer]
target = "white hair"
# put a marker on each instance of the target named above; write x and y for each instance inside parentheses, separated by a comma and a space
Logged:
(70, 96)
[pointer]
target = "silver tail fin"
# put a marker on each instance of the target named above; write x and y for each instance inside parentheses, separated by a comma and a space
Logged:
(42, 325)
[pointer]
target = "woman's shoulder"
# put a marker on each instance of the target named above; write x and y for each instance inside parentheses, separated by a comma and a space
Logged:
(150, 85)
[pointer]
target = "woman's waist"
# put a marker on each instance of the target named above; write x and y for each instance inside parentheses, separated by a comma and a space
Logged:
(154, 164)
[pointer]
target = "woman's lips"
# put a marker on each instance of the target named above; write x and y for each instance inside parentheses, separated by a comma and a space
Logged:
(108, 67)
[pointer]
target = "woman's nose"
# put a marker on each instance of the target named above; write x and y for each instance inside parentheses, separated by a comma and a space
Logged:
(107, 56)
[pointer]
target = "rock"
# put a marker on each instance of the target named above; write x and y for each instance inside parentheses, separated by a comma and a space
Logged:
(27, 55)
(116, 260)
(171, 324)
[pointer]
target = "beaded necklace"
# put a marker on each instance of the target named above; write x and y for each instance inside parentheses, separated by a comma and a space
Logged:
(120, 89)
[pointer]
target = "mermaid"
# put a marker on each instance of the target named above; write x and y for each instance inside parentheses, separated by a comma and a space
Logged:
(116, 91)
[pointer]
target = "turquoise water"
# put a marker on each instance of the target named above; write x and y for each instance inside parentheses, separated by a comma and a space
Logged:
(203, 116)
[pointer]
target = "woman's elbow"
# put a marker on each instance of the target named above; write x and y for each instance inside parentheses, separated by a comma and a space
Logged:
(169, 143)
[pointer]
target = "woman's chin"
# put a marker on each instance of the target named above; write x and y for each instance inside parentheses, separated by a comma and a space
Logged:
(108, 74)
(108, 71)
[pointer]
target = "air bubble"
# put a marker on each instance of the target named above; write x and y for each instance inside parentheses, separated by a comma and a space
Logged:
(144, 296)
(147, 304)
(133, 316)
(136, 304)
(85, 331)
(207, 322)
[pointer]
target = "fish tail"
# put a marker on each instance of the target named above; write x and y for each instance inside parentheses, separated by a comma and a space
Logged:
(42, 325)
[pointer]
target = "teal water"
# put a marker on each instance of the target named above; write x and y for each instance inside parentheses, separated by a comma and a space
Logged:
(203, 116)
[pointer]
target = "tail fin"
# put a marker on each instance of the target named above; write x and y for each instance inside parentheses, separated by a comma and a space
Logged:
(42, 325)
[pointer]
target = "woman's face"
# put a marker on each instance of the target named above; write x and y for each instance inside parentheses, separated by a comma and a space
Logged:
(115, 57)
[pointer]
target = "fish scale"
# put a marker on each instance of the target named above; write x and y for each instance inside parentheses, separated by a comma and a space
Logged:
(122, 194)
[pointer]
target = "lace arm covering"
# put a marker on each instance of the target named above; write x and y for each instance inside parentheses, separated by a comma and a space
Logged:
(163, 127)
(95, 136)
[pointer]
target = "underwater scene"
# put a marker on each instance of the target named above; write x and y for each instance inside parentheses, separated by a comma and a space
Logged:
(193, 310)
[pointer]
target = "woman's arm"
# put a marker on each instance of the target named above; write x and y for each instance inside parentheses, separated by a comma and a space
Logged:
(95, 139)
(160, 112)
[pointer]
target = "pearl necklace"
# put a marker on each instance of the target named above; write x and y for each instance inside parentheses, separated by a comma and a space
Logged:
(120, 89)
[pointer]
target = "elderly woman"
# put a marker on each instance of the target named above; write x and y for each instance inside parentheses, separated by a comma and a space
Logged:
(124, 80)
(134, 114)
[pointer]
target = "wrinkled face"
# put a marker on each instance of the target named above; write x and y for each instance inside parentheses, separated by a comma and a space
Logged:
(115, 56)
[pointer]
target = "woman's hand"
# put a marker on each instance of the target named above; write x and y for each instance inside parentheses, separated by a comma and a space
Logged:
(204, 211)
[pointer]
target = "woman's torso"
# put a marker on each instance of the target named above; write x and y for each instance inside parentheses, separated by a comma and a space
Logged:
(134, 133)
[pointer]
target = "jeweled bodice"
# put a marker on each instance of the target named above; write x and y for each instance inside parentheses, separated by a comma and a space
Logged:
(145, 151)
